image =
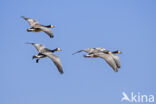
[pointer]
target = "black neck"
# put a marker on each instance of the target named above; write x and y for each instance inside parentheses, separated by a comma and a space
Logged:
(115, 52)
(48, 26)
(54, 50)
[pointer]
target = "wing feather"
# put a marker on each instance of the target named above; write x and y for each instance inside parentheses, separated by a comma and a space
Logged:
(47, 31)
(40, 48)
(56, 60)
(109, 59)
(32, 22)
(116, 59)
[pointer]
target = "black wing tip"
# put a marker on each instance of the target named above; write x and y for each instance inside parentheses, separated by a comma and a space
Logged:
(29, 43)
(61, 72)
(73, 53)
(77, 52)
(23, 17)
(115, 70)
(51, 36)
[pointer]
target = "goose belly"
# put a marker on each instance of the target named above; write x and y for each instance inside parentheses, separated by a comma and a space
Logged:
(41, 56)
(91, 56)
(34, 30)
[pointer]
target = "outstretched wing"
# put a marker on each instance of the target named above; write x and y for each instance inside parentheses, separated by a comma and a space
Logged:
(88, 50)
(56, 60)
(78, 52)
(47, 31)
(116, 59)
(31, 22)
(109, 59)
(40, 48)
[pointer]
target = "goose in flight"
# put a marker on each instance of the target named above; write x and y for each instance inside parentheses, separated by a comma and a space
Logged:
(110, 57)
(37, 27)
(45, 52)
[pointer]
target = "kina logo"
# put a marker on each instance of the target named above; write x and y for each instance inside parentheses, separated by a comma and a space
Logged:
(137, 98)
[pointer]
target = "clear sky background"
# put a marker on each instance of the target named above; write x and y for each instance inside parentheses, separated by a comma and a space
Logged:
(126, 25)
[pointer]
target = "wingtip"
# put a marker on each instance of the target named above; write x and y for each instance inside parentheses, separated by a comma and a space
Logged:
(23, 17)
(77, 52)
(116, 70)
(29, 43)
(61, 72)
(73, 53)
(51, 36)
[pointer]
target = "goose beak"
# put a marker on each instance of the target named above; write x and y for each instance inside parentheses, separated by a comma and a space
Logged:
(119, 52)
(33, 57)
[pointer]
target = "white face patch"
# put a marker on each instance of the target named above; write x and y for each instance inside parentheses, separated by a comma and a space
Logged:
(58, 49)
(52, 26)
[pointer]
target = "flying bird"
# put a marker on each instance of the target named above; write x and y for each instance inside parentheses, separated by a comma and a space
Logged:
(45, 52)
(110, 57)
(37, 27)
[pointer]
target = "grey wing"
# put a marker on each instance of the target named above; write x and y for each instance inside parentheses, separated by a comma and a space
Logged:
(47, 31)
(109, 59)
(56, 60)
(100, 49)
(31, 22)
(90, 50)
(40, 48)
(117, 60)
(77, 52)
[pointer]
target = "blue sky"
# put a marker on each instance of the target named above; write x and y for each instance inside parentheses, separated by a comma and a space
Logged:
(126, 25)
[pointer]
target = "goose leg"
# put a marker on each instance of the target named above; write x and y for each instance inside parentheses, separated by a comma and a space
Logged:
(37, 60)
